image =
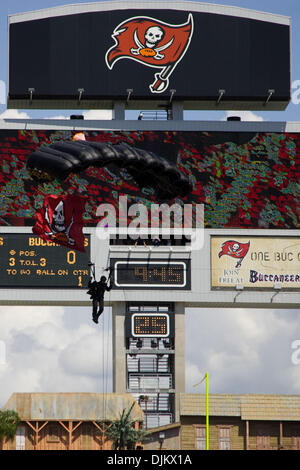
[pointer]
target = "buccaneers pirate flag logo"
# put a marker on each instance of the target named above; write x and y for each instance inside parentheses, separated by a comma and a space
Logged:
(60, 221)
(235, 250)
(152, 43)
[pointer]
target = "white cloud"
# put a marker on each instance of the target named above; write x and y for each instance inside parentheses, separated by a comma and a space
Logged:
(59, 116)
(19, 319)
(56, 349)
(244, 115)
(193, 376)
(87, 356)
(14, 114)
(244, 351)
(93, 114)
(45, 354)
(97, 114)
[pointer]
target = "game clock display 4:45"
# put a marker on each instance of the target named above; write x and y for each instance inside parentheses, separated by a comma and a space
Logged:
(156, 274)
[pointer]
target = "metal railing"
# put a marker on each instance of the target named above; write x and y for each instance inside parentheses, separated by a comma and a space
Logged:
(161, 115)
(148, 363)
(149, 382)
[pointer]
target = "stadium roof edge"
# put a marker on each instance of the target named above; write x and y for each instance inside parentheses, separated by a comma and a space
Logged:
(136, 125)
(171, 5)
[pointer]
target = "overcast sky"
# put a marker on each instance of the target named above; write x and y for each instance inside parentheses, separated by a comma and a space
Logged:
(61, 350)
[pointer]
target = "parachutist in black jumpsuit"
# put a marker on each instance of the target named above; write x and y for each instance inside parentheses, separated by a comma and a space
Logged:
(97, 291)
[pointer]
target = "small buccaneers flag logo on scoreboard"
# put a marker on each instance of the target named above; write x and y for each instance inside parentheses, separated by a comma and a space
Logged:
(152, 43)
(60, 221)
(235, 250)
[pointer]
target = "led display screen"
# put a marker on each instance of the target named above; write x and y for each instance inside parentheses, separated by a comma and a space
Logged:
(29, 261)
(152, 274)
(149, 324)
(244, 180)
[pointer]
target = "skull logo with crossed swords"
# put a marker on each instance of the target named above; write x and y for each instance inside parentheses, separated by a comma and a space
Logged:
(153, 36)
(58, 224)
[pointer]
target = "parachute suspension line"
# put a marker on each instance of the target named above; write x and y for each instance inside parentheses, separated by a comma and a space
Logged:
(108, 325)
(104, 346)
(103, 376)
(108, 354)
(108, 261)
(105, 358)
(101, 353)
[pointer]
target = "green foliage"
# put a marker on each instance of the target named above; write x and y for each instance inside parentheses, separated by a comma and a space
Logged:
(9, 421)
(122, 433)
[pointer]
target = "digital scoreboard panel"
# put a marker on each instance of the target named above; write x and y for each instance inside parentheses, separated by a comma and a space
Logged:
(28, 261)
(155, 325)
(156, 274)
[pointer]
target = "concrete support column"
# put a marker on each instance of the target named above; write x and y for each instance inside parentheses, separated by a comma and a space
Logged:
(119, 347)
(177, 111)
(179, 355)
(119, 110)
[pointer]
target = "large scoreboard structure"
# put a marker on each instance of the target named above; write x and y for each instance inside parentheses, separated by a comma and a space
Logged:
(170, 56)
(249, 257)
(146, 54)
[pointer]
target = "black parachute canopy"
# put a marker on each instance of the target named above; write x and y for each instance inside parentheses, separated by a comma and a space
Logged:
(60, 159)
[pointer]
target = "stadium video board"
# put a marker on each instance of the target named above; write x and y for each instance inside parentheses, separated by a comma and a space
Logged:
(244, 180)
(216, 58)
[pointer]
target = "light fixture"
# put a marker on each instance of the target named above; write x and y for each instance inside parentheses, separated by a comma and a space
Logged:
(172, 95)
(153, 343)
(31, 91)
(239, 287)
(277, 287)
(139, 343)
(80, 91)
(161, 436)
(221, 94)
(129, 92)
(270, 94)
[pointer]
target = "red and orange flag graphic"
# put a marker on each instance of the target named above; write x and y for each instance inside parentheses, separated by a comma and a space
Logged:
(152, 43)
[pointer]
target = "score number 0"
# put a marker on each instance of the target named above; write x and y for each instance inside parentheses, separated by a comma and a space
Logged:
(71, 259)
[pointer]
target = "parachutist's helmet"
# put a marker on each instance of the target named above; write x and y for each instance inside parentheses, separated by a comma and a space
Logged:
(102, 279)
